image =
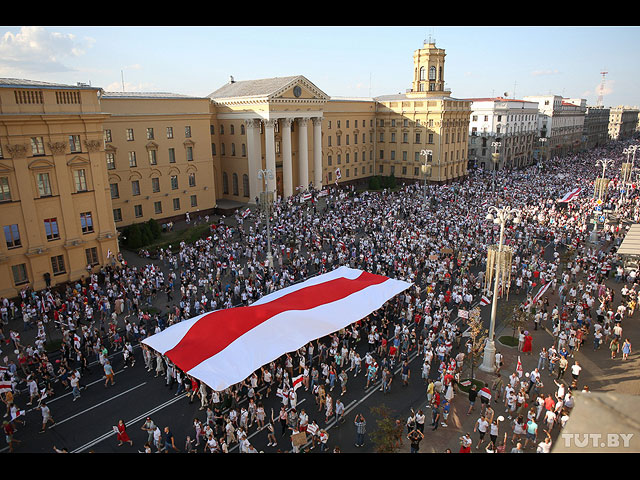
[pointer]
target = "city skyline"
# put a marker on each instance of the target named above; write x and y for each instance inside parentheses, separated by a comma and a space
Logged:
(343, 61)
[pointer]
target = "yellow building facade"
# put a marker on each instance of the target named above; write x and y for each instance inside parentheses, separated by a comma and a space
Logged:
(158, 156)
(54, 207)
(77, 163)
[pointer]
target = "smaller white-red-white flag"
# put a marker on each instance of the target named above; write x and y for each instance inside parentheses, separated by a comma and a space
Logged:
(519, 367)
(484, 300)
(297, 382)
(246, 213)
(5, 386)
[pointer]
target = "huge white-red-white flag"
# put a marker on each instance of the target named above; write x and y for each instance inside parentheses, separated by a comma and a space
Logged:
(224, 347)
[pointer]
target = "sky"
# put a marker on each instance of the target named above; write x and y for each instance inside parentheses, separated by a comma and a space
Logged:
(342, 61)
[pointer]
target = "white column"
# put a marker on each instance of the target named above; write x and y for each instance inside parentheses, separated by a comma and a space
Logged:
(317, 153)
(254, 156)
(303, 153)
(270, 152)
(287, 167)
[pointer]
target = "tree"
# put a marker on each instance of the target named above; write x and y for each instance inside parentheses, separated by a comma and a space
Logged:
(518, 319)
(387, 438)
(477, 336)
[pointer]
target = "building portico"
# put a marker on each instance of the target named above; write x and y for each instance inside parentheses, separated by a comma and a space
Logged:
(277, 115)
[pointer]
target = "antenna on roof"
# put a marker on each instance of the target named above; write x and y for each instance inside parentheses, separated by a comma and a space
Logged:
(122, 76)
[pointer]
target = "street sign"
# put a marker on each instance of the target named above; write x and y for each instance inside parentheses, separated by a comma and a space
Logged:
(602, 218)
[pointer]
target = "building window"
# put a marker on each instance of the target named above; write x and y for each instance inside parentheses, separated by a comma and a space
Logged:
(115, 191)
(57, 265)
(5, 191)
(235, 183)
(19, 274)
(12, 236)
(172, 155)
(174, 182)
(137, 211)
(74, 143)
(81, 180)
(155, 185)
(117, 215)
(92, 255)
(51, 228)
(194, 200)
(86, 222)
(107, 136)
(130, 134)
(111, 161)
(44, 185)
(176, 204)
(153, 157)
(245, 185)
(37, 146)
(149, 133)
(187, 131)
(190, 154)
(157, 207)
(192, 179)
(169, 132)
(225, 183)
(135, 187)
(132, 160)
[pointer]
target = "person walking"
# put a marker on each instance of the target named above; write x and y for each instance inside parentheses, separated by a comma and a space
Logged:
(626, 349)
(122, 435)
(108, 374)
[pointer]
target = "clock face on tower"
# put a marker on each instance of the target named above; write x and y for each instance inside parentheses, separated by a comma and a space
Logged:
(297, 91)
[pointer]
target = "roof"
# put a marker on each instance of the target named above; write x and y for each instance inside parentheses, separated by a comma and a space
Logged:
(631, 243)
(253, 88)
(155, 95)
(24, 83)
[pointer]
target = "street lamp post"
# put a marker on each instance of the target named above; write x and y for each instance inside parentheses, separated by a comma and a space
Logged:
(502, 215)
(629, 150)
(427, 154)
(266, 199)
(494, 158)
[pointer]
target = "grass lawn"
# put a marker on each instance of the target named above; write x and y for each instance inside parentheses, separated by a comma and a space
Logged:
(508, 341)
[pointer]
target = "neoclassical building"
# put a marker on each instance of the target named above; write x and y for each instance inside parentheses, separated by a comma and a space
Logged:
(78, 163)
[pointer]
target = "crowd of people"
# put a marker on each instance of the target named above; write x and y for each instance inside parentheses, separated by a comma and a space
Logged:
(439, 246)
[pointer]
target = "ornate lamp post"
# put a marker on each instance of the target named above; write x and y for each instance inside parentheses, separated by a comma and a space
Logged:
(426, 169)
(498, 268)
(266, 202)
(605, 162)
(495, 159)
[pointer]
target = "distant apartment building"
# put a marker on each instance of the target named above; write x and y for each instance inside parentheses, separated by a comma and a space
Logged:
(560, 122)
(596, 127)
(623, 122)
(503, 133)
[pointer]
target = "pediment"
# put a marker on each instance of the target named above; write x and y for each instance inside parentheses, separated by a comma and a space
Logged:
(40, 163)
(300, 89)
(77, 161)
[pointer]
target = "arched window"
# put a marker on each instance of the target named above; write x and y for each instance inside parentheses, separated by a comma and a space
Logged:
(225, 183)
(422, 72)
(235, 183)
(245, 185)
(432, 73)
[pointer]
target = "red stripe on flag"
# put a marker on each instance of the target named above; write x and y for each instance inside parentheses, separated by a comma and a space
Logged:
(214, 332)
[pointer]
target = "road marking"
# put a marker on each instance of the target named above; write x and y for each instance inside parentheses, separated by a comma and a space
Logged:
(129, 422)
